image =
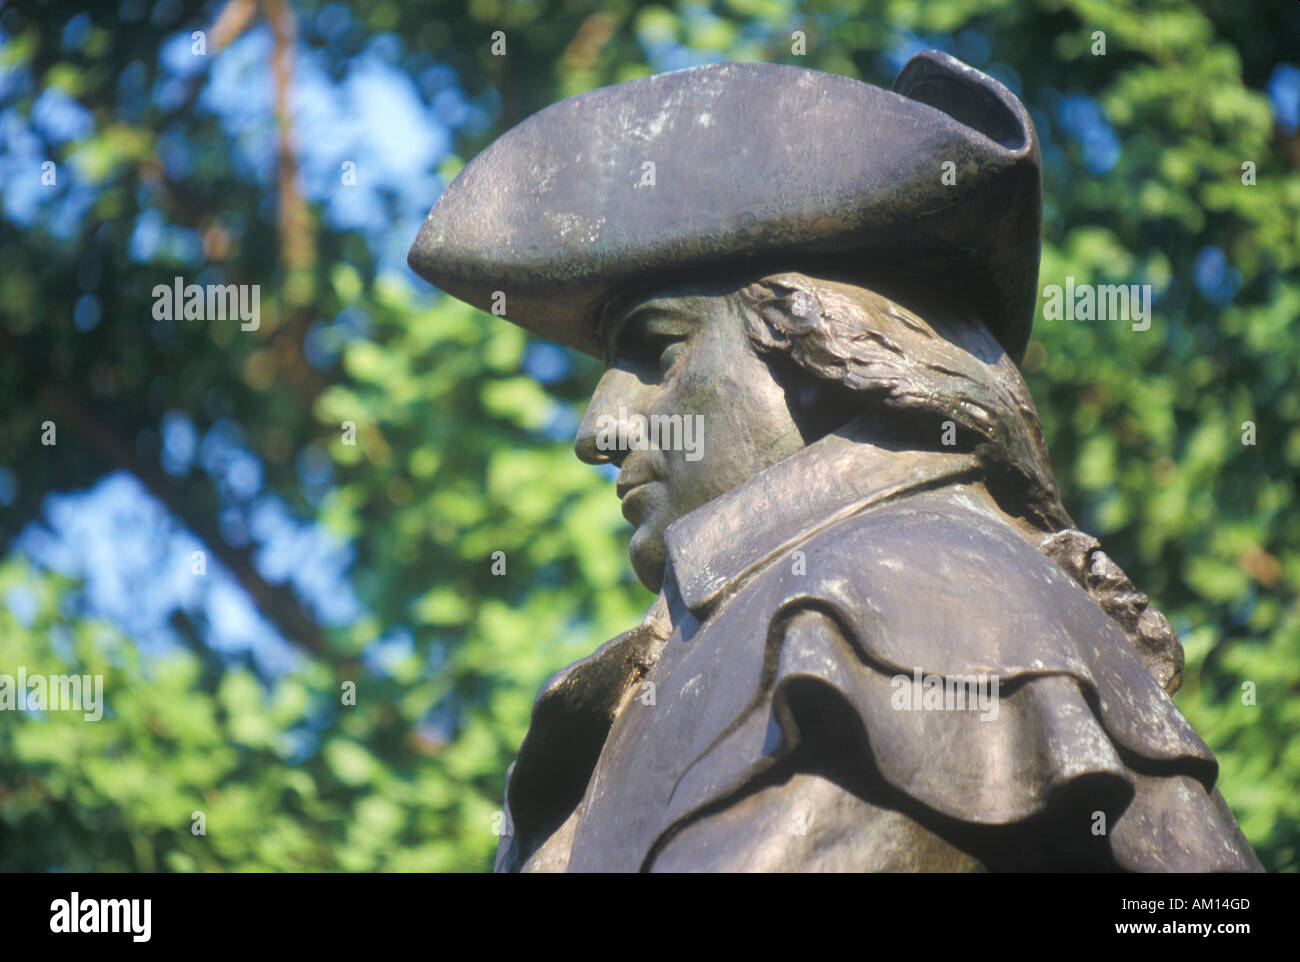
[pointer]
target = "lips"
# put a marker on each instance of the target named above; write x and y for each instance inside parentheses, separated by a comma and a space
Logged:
(637, 505)
(635, 473)
(634, 489)
(625, 489)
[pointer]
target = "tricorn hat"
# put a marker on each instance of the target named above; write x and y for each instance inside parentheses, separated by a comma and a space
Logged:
(753, 165)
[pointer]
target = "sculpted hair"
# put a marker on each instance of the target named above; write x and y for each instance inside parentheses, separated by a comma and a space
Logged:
(942, 369)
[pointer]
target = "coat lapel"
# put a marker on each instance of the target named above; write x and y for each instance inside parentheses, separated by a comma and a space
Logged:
(570, 722)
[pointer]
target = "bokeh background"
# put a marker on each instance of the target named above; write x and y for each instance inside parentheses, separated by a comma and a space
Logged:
(327, 563)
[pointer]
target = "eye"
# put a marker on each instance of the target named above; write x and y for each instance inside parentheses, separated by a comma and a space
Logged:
(667, 349)
(652, 341)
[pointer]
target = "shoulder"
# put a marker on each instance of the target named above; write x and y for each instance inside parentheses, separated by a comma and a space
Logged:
(937, 537)
(935, 581)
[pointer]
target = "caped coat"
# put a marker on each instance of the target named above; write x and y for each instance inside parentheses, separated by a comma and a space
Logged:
(771, 712)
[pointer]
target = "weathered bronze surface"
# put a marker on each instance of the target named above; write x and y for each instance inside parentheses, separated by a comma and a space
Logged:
(879, 642)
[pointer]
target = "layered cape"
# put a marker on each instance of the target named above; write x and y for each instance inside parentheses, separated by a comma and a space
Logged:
(921, 576)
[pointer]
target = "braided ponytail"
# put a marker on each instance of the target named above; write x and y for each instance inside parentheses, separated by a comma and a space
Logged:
(1148, 631)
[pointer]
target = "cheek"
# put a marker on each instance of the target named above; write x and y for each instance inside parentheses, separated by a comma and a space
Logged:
(731, 437)
(746, 424)
(747, 416)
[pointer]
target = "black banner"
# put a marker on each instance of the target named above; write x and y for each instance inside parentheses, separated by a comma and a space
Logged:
(332, 912)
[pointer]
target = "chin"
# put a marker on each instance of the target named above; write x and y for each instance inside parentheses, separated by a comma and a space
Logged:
(648, 555)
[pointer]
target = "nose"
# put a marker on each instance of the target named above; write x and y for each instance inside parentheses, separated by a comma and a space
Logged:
(617, 389)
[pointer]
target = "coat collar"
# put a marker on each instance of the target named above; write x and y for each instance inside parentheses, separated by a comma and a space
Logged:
(713, 549)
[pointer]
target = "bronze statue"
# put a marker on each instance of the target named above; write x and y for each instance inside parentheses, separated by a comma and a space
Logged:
(879, 642)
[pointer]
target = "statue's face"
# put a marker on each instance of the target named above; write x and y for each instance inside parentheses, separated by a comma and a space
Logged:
(682, 352)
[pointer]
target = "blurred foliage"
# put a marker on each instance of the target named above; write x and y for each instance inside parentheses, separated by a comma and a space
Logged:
(457, 457)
